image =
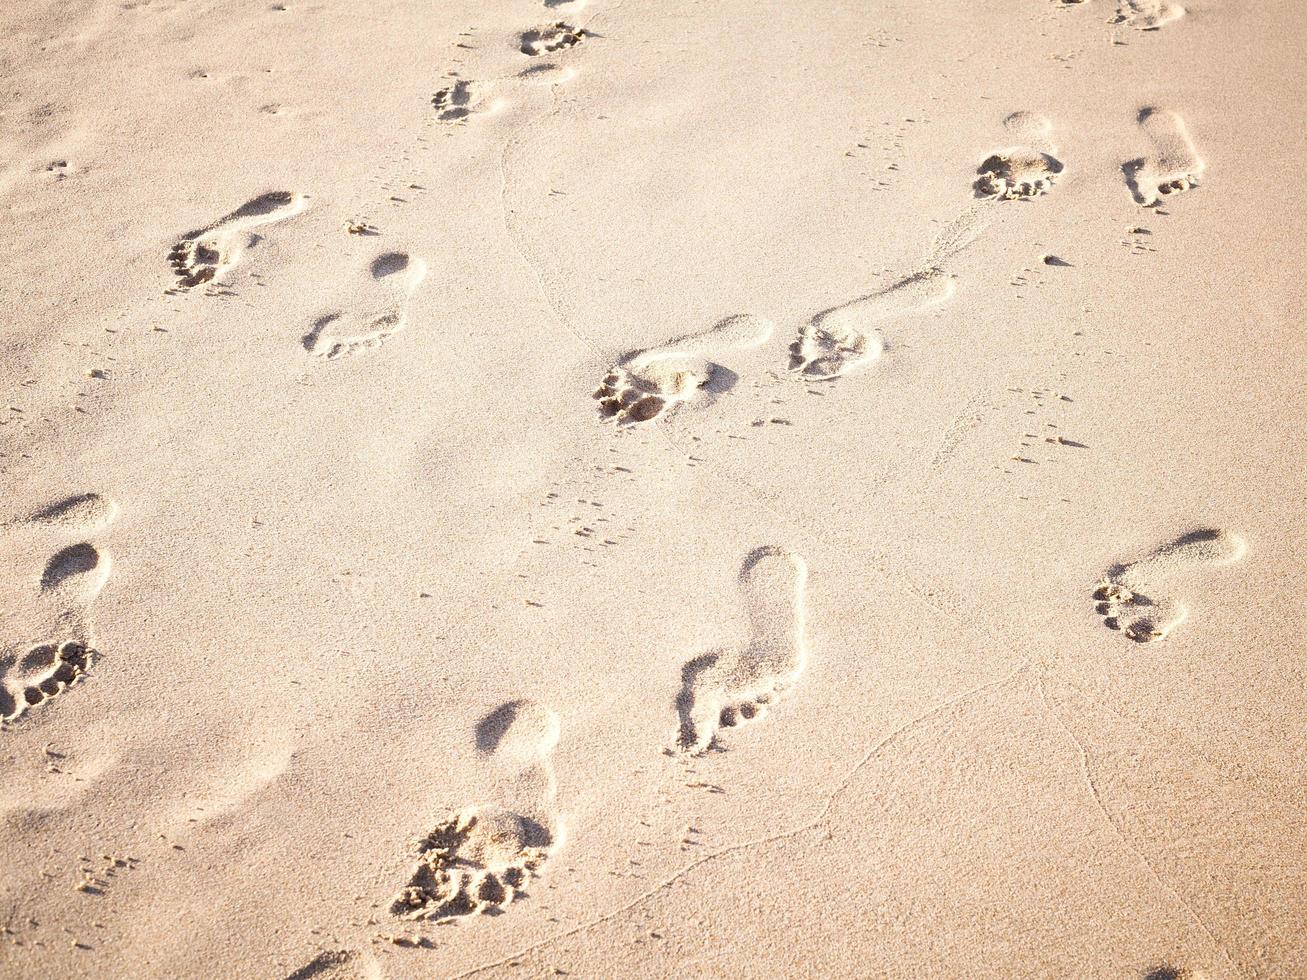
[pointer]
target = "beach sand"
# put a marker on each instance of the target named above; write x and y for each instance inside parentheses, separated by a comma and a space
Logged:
(631, 489)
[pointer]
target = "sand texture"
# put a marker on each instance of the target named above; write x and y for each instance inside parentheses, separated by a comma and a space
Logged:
(653, 488)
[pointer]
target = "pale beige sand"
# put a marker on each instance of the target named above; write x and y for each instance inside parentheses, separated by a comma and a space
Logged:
(942, 614)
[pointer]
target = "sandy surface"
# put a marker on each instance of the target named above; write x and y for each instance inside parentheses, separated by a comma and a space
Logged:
(709, 489)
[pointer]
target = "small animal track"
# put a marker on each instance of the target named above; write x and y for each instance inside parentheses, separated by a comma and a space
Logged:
(1128, 599)
(550, 38)
(209, 253)
(399, 275)
(479, 860)
(1174, 164)
(647, 383)
(843, 338)
(55, 608)
(728, 688)
(1021, 171)
(1147, 15)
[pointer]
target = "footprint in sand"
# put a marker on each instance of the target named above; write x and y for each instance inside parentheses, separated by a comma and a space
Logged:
(550, 38)
(480, 859)
(645, 384)
(727, 688)
(57, 652)
(1128, 596)
(843, 338)
(1147, 15)
(211, 252)
(1025, 169)
(1172, 167)
(397, 276)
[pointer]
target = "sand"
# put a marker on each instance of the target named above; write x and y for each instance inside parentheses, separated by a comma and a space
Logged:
(627, 489)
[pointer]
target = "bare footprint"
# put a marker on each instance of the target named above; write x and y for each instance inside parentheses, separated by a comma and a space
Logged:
(398, 276)
(727, 688)
(1025, 169)
(550, 38)
(843, 338)
(209, 253)
(1128, 596)
(479, 859)
(645, 384)
(1174, 164)
(1147, 15)
(54, 608)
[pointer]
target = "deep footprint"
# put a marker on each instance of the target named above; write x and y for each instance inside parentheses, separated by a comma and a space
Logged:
(209, 253)
(479, 860)
(647, 383)
(399, 276)
(844, 338)
(1129, 597)
(729, 688)
(1024, 170)
(1173, 166)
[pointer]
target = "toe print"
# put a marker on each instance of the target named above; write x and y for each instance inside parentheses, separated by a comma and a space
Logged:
(1135, 598)
(727, 689)
(479, 860)
(209, 253)
(645, 384)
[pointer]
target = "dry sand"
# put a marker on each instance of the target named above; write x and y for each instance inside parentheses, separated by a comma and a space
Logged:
(627, 489)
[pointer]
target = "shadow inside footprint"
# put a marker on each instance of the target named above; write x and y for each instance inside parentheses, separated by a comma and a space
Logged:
(388, 264)
(77, 559)
(687, 736)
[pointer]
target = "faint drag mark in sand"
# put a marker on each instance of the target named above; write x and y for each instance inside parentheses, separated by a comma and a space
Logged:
(844, 337)
(645, 384)
(209, 253)
(69, 580)
(1026, 169)
(728, 688)
(479, 859)
(1128, 596)
(399, 276)
(1174, 164)
(1147, 15)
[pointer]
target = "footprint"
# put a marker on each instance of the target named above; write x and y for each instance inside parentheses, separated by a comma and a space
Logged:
(843, 338)
(1147, 15)
(399, 275)
(480, 859)
(55, 607)
(210, 252)
(1172, 167)
(550, 38)
(727, 688)
(1128, 599)
(645, 384)
(1026, 169)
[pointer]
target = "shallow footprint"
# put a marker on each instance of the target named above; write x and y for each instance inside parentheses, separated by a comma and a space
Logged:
(210, 252)
(1026, 169)
(1147, 15)
(1174, 164)
(1128, 596)
(399, 275)
(645, 384)
(464, 99)
(479, 859)
(727, 688)
(844, 337)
